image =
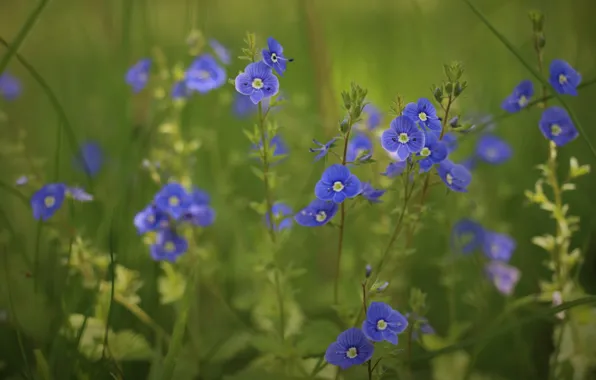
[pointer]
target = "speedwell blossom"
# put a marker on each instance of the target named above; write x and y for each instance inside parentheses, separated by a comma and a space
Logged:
(467, 236)
(273, 56)
(498, 247)
(563, 77)
(257, 81)
(383, 323)
(455, 176)
(323, 149)
(359, 144)
(403, 137)
(351, 348)
(519, 98)
(493, 149)
(434, 151)
(337, 184)
(204, 74)
(137, 76)
(316, 214)
(424, 113)
(282, 216)
(556, 125)
(169, 246)
(503, 276)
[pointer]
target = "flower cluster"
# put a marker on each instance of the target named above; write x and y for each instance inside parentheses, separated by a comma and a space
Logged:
(46, 201)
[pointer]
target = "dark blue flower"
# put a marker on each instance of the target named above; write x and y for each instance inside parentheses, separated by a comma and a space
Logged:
(403, 137)
(79, 194)
(395, 168)
(374, 116)
(316, 214)
(493, 150)
(48, 200)
(323, 149)
(337, 184)
(173, 200)
(563, 77)
(370, 193)
(273, 56)
(455, 176)
(279, 211)
(222, 53)
(89, 158)
(519, 98)
(434, 151)
(137, 76)
(10, 86)
(351, 348)
(503, 276)
(450, 140)
(423, 112)
(498, 247)
(257, 81)
(383, 323)
(556, 125)
(150, 219)
(200, 213)
(169, 246)
(466, 236)
(359, 144)
(179, 90)
(204, 74)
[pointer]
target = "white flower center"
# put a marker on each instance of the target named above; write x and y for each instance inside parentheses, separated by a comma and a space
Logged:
(257, 84)
(555, 130)
(422, 116)
(151, 219)
(200, 74)
(352, 353)
(449, 178)
(169, 247)
(523, 101)
(338, 186)
(403, 138)
(562, 79)
(381, 325)
(491, 152)
(273, 57)
(321, 216)
(425, 152)
(173, 201)
(49, 201)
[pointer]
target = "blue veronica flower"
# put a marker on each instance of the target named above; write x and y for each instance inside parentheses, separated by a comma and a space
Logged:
(493, 149)
(316, 214)
(48, 200)
(200, 213)
(173, 200)
(563, 77)
(358, 145)
(424, 327)
(450, 140)
(503, 276)
(556, 125)
(466, 236)
(374, 116)
(370, 193)
(383, 286)
(337, 184)
(150, 219)
(424, 113)
(89, 158)
(169, 246)
(137, 76)
(395, 168)
(323, 149)
(403, 137)
(273, 56)
(179, 90)
(10, 87)
(257, 81)
(204, 74)
(351, 348)
(277, 145)
(519, 98)
(22, 180)
(383, 323)
(79, 194)
(455, 176)
(244, 107)
(434, 151)
(279, 211)
(498, 247)
(222, 53)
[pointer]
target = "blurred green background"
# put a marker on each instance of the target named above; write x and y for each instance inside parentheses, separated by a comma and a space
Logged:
(83, 48)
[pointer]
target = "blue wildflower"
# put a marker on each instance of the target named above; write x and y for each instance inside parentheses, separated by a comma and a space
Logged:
(48, 200)
(150, 219)
(367, 270)
(200, 213)
(173, 200)
(316, 214)
(359, 144)
(466, 236)
(498, 247)
(434, 151)
(450, 140)
(455, 176)
(10, 87)
(556, 125)
(519, 98)
(273, 56)
(424, 327)
(22, 180)
(374, 116)
(323, 149)
(257, 81)
(137, 76)
(277, 145)
(469, 162)
(383, 323)
(563, 77)
(204, 74)
(179, 90)
(503, 276)
(370, 193)
(279, 211)
(403, 137)
(337, 184)
(383, 286)
(493, 150)
(169, 246)
(351, 348)
(89, 159)
(222, 53)
(395, 168)
(79, 194)
(424, 113)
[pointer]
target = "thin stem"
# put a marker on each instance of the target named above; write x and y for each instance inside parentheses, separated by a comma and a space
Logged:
(142, 316)
(364, 297)
(370, 372)
(265, 157)
(280, 302)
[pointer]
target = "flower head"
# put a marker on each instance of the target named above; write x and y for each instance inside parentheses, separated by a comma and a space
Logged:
(257, 81)
(519, 98)
(173, 200)
(374, 116)
(466, 236)
(498, 247)
(222, 53)
(204, 74)
(316, 214)
(150, 219)
(350, 348)
(337, 184)
(200, 213)
(563, 77)
(180, 90)
(403, 137)
(424, 327)
(282, 216)
(323, 149)
(383, 323)
(276, 145)
(455, 176)
(48, 200)
(434, 151)
(22, 180)
(424, 113)
(370, 193)
(89, 158)
(493, 150)
(556, 125)
(137, 76)
(79, 194)
(169, 246)
(503, 276)
(273, 56)
(10, 87)
(359, 144)
(395, 168)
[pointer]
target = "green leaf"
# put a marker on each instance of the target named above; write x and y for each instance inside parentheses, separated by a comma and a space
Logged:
(43, 369)
(128, 345)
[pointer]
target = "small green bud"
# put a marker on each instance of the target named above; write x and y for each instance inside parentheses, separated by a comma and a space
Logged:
(438, 94)
(346, 99)
(453, 71)
(344, 126)
(537, 19)
(541, 40)
(459, 88)
(417, 301)
(449, 88)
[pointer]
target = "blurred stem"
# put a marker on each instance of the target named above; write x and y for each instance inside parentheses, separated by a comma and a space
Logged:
(370, 371)
(143, 317)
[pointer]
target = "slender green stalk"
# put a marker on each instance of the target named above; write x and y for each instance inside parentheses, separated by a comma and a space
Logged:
(265, 157)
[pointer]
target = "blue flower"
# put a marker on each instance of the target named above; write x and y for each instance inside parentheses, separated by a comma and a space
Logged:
(205, 74)
(519, 98)
(257, 81)
(395, 168)
(323, 149)
(277, 145)
(455, 176)
(493, 150)
(220, 51)
(374, 116)
(169, 246)
(22, 180)
(351, 348)
(563, 77)
(89, 158)
(370, 193)
(273, 56)
(79, 194)
(367, 270)
(556, 125)
(244, 107)
(498, 247)
(199, 212)
(424, 113)
(503, 276)
(10, 87)
(434, 151)
(424, 327)
(403, 137)
(469, 162)
(150, 219)
(337, 184)
(279, 211)
(137, 76)
(383, 323)
(316, 214)
(450, 140)
(48, 200)
(466, 236)
(179, 90)
(173, 200)
(359, 144)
